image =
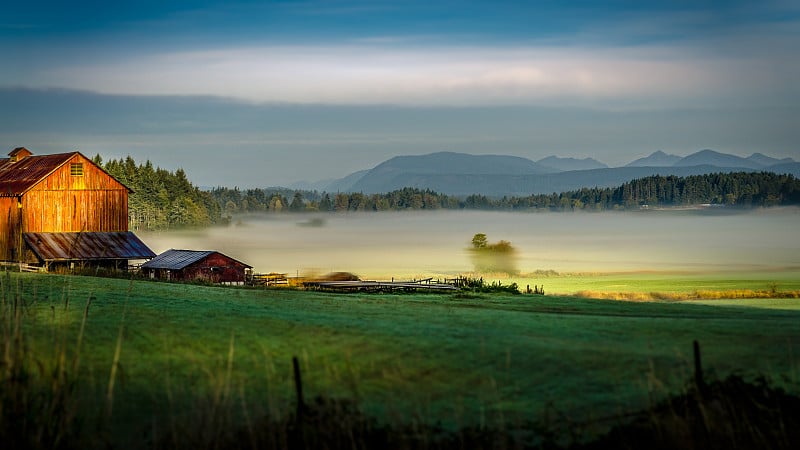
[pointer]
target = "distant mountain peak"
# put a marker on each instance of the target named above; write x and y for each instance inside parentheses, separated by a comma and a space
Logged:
(766, 161)
(708, 151)
(656, 159)
(714, 158)
(458, 163)
(565, 164)
(455, 173)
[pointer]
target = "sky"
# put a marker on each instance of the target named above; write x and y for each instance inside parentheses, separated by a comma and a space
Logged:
(266, 93)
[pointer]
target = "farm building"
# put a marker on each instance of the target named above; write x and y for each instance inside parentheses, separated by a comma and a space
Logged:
(188, 265)
(63, 209)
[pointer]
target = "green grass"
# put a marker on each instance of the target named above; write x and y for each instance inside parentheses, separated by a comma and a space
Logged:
(777, 303)
(646, 282)
(190, 350)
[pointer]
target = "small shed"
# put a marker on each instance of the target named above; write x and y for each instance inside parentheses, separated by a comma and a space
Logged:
(189, 265)
(106, 249)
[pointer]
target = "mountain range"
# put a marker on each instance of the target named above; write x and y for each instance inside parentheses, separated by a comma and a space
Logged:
(501, 175)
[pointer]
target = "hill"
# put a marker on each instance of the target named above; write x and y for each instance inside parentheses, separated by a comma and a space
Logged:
(497, 175)
(656, 159)
(420, 171)
(566, 164)
(500, 185)
(716, 159)
(768, 161)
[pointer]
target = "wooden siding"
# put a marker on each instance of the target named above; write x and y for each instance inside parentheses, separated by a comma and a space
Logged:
(62, 202)
(93, 178)
(75, 211)
(10, 238)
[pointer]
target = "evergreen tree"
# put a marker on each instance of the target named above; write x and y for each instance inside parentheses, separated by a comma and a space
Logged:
(325, 204)
(732, 189)
(161, 199)
(297, 203)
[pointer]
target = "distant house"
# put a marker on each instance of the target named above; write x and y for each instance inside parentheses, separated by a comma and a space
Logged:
(188, 265)
(63, 209)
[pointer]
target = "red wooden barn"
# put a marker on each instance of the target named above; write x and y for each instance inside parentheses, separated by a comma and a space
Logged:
(64, 209)
(188, 265)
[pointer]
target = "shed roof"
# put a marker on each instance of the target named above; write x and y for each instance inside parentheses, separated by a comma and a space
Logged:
(173, 259)
(17, 177)
(87, 246)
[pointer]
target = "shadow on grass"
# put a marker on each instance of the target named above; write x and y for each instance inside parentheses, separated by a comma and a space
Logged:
(731, 413)
(726, 414)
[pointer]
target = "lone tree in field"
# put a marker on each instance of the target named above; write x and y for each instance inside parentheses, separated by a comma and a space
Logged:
(479, 241)
(500, 256)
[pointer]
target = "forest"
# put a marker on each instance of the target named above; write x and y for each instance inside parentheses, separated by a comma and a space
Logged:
(740, 189)
(162, 199)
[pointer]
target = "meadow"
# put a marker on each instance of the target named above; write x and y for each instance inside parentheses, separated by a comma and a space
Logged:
(146, 363)
(666, 285)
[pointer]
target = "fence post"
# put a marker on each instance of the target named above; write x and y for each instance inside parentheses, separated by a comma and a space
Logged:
(698, 369)
(298, 385)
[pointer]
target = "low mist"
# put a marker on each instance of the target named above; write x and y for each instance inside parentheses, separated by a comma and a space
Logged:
(405, 244)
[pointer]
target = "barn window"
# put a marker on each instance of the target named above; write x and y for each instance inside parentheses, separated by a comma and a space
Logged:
(76, 169)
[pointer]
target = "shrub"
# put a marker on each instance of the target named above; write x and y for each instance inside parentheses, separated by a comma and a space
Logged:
(479, 285)
(493, 257)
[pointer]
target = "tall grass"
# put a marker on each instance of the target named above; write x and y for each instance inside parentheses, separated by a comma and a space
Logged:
(39, 406)
(722, 414)
(116, 364)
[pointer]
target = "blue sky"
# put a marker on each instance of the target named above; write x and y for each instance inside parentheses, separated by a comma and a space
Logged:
(309, 90)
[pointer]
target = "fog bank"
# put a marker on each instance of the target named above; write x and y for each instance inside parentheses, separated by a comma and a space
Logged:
(397, 244)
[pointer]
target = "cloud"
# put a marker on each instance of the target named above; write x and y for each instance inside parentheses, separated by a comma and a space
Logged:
(615, 56)
(323, 141)
(445, 75)
(347, 85)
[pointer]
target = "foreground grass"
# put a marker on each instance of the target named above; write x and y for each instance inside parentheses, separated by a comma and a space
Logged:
(155, 357)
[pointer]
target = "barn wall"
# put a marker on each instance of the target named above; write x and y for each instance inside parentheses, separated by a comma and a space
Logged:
(10, 224)
(75, 211)
(63, 202)
(93, 178)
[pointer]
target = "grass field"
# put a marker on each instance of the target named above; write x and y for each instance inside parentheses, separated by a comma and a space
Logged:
(155, 356)
(662, 282)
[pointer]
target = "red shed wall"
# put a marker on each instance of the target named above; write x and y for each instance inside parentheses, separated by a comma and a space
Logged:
(226, 270)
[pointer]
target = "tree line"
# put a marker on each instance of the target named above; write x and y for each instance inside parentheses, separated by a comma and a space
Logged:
(233, 200)
(162, 199)
(739, 189)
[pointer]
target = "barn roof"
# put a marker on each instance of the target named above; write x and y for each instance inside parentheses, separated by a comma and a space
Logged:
(87, 246)
(173, 259)
(17, 176)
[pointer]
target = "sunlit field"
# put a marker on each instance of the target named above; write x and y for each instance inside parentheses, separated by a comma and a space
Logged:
(157, 359)
(677, 284)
